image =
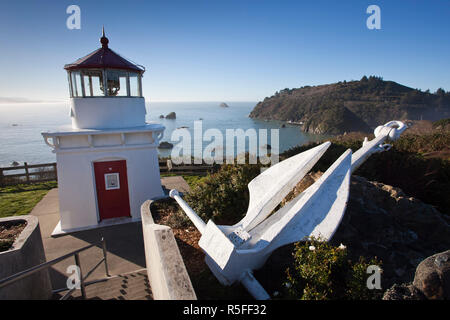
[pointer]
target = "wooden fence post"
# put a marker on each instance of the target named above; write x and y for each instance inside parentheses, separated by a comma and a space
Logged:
(26, 172)
(1, 177)
(56, 171)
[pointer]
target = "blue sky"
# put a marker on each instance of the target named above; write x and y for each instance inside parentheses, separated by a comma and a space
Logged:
(213, 50)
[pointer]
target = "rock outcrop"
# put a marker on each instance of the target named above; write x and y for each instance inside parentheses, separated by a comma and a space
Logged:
(402, 231)
(381, 221)
(433, 276)
(403, 292)
(165, 145)
(171, 115)
(431, 281)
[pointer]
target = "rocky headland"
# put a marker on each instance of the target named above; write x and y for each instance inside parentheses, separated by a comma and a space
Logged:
(352, 106)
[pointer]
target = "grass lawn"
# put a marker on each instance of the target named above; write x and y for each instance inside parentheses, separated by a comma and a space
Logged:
(21, 199)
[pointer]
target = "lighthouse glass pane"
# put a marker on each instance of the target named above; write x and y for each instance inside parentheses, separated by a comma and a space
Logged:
(134, 85)
(76, 84)
(117, 83)
(87, 86)
(93, 83)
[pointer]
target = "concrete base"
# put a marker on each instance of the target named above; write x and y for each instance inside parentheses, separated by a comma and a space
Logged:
(167, 183)
(58, 232)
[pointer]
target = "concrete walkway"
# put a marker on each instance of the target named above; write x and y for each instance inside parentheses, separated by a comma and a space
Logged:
(175, 182)
(124, 242)
(129, 286)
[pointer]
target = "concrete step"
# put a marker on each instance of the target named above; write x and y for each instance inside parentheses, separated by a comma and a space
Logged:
(130, 286)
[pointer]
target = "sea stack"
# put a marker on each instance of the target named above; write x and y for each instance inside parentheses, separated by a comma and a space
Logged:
(171, 115)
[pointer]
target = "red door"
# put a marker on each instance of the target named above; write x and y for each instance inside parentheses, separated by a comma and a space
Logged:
(112, 189)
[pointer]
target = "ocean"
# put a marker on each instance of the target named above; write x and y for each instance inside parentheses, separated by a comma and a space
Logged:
(21, 125)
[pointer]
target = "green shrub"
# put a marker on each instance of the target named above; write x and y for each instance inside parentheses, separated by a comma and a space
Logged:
(223, 196)
(423, 143)
(193, 180)
(323, 272)
(442, 124)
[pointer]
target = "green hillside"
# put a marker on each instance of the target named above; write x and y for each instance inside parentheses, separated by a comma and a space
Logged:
(352, 106)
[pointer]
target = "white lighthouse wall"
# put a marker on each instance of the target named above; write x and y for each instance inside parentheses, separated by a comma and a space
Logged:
(107, 112)
(76, 183)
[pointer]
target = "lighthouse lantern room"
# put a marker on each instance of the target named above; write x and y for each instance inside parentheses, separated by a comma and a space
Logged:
(107, 159)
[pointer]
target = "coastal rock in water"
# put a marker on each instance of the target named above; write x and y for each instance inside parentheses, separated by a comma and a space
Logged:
(224, 105)
(433, 276)
(15, 164)
(165, 145)
(161, 116)
(171, 115)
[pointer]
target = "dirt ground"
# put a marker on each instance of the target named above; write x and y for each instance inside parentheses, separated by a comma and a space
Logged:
(8, 234)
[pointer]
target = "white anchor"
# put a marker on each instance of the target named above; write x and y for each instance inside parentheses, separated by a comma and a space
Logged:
(232, 252)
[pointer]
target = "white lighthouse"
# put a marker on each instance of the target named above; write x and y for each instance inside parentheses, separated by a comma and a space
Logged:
(107, 159)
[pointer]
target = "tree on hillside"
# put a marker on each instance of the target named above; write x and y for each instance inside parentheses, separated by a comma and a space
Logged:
(440, 92)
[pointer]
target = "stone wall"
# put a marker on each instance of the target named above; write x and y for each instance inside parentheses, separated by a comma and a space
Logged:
(166, 271)
(27, 252)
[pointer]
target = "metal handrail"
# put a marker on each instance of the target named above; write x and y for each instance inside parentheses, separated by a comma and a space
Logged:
(23, 274)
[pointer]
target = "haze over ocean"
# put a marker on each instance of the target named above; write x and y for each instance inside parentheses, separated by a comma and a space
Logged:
(21, 125)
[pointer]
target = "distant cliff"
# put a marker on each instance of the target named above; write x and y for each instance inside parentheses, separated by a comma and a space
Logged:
(352, 106)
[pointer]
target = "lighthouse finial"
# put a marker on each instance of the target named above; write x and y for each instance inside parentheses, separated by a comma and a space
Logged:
(104, 40)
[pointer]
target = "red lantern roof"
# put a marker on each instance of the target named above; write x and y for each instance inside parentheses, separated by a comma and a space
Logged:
(104, 58)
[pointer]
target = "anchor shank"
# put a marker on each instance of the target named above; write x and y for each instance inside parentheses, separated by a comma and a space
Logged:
(253, 286)
(196, 220)
(392, 130)
(362, 154)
